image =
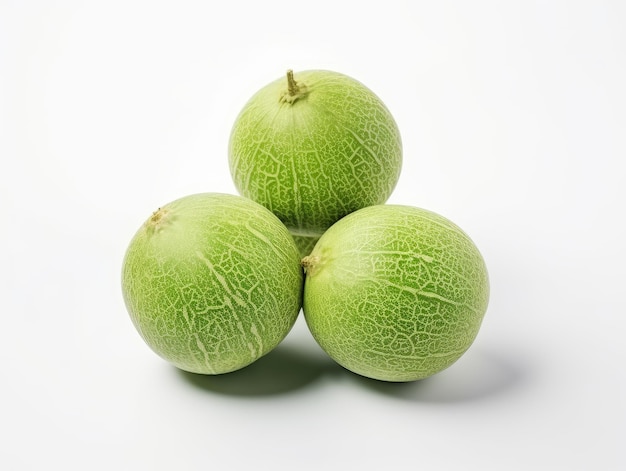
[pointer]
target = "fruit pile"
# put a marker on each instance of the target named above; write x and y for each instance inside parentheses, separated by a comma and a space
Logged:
(213, 282)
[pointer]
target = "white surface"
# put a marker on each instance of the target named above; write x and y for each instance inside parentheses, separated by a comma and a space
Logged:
(513, 117)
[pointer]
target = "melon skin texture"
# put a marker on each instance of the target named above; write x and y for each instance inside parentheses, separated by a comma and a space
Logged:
(395, 293)
(212, 282)
(315, 149)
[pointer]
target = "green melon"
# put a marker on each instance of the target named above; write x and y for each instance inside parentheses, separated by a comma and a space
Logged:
(395, 293)
(212, 282)
(312, 148)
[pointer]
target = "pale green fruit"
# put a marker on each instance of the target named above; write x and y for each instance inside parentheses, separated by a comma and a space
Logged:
(314, 148)
(395, 293)
(212, 282)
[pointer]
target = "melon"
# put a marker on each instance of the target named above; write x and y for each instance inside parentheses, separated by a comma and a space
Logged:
(395, 293)
(313, 147)
(212, 282)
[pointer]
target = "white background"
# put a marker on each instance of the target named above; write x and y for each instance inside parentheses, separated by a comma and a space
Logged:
(513, 119)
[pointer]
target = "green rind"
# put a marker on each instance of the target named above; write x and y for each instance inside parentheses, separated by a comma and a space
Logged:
(215, 285)
(331, 152)
(396, 293)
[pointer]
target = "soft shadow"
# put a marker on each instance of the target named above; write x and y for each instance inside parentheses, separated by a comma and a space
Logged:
(281, 371)
(474, 377)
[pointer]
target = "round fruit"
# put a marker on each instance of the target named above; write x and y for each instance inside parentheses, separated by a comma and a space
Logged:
(395, 293)
(315, 148)
(212, 282)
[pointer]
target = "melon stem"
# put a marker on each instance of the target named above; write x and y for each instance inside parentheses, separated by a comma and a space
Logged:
(157, 220)
(294, 91)
(309, 263)
(292, 85)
